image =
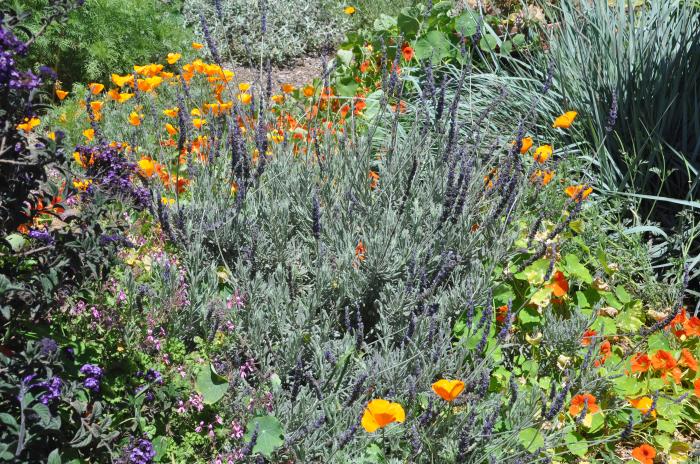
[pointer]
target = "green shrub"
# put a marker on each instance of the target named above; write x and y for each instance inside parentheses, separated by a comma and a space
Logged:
(107, 35)
(293, 27)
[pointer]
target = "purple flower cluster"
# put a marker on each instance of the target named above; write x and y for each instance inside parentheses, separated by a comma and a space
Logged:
(10, 76)
(93, 374)
(43, 236)
(53, 389)
(139, 451)
(112, 172)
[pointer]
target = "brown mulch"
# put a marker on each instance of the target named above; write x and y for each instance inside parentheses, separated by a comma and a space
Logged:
(302, 72)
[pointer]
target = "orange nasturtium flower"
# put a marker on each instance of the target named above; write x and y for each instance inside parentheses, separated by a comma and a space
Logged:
(663, 361)
(379, 413)
(696, 386)
(28, 124)
(96, 88)
(643, 404)
(688, 360)
(197, 45)
(565, 120)
(641, 363)
(173, 58)
(349, 10)
(644, 454)
(543, 153)
(61, 94)
(576, 191)
(559, 285)
(89, 134)
(605, 351)
(407, 52)
(448, 390)
(588, 336)
(135, 118)
(578, 402)
(147, 167)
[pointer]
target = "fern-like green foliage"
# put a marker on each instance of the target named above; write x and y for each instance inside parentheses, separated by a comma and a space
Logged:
(107, 36)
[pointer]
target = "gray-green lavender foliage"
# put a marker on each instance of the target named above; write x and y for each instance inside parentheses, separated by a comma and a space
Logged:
(352, 290)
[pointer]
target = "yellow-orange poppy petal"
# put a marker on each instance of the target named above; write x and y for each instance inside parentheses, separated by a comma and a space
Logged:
(448, 390)
(565, 120)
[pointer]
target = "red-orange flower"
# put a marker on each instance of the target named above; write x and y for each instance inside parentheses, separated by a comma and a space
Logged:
(688, 360)
(559, 285)
(578, 401)
(663, 361)
(605, 351)
(644, 454)
(696, 385)
(501, 313)
(588, 336)
(641, 362)
(360, 251)
(374, 176)
(407, 52)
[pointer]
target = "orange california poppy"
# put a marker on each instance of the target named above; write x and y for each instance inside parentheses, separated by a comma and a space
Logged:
(688, 360)
(198, 122)
(545, 176)
(644, 454)
(197, 45)
(173, 58)
(543, 153)
(147, 167)
(89, 134)
(641, 362)
(135, 118)
(588, 337)
(643, 404)
(61, 94)
(244, 98)
(96, 88)
(448, 390)
(379, 413)
(526, 144)
(121, 81)
(287, 88)
(309, 91)
(565, 120)
(374, 176)
(573, 191)
(170, 128)
(559, 284)
(171, 112)
(96, 105)
(28, 124)
(696, 385)
(578, 401)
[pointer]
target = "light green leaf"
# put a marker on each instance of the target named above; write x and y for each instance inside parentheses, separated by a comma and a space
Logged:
(270, 434)
(211, 386)
(576, 444)
(531, 439)
(434, 45)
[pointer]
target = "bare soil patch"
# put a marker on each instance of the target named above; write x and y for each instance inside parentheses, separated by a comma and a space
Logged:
(302, 72)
